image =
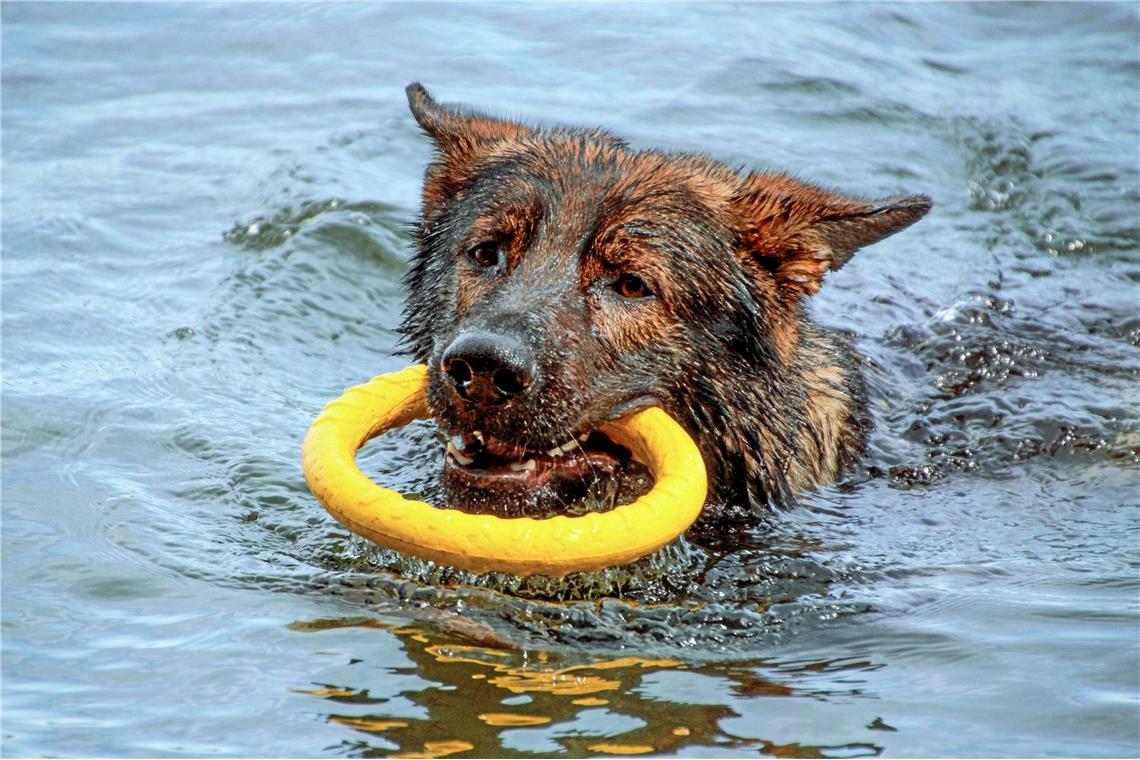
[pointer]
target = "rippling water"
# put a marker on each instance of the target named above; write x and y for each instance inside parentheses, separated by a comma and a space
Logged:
(204, 228)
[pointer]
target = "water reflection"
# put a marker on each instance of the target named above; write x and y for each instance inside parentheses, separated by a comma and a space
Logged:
(496, 701)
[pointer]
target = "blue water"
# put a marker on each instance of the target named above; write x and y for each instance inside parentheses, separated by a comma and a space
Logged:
(204, 229)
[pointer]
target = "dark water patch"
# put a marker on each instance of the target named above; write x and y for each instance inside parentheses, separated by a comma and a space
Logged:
(998, 164)
(694, 630)
(1008, 379)
(751, 74)
(1061, 197)
(333, 220)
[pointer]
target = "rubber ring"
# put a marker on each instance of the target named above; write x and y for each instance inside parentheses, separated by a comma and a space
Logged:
(553, 546)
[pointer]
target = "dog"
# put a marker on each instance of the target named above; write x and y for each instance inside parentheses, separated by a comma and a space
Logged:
(562, 279)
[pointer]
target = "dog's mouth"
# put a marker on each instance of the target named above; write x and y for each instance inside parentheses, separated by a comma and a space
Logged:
(479, 456)
(488, 475)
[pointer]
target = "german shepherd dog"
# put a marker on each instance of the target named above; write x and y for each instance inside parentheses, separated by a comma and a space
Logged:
(562, 279)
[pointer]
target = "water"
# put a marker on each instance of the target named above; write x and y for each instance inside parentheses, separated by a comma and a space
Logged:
(204, 213)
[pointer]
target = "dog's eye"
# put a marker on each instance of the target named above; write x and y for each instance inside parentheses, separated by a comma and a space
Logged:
(632, 286)
(485, 254)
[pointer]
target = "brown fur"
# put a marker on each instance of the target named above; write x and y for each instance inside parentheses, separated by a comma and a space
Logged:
(775, 403)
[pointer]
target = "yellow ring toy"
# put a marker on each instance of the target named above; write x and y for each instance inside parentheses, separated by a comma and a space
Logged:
(554, 546)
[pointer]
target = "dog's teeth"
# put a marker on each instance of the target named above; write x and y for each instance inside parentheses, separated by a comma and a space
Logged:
(558, 451)
(458, 457)
(529, 464)
(478, 436)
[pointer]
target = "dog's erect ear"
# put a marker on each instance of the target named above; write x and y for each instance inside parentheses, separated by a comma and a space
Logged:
(457, 133)
(460, 137)
(799, 232)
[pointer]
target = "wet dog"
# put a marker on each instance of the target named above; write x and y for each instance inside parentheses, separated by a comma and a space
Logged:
(563, 279)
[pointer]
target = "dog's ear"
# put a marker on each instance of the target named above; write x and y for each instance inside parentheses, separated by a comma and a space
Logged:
(460, 136)
(799, 232)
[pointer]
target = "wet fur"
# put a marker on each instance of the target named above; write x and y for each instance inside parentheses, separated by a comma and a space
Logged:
(776, 404)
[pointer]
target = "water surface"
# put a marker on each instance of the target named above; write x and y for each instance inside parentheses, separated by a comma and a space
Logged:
(204, 230)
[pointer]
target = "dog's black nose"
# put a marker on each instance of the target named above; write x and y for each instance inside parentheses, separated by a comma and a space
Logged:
(488, 368)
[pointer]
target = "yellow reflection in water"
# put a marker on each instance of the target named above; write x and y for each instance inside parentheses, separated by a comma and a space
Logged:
(325, 692)
(367, 724)
(569, 681)
(438, 749)
(622, 749)
(513, 719)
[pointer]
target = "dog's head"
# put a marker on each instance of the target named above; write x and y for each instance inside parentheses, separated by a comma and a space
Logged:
(563, 279)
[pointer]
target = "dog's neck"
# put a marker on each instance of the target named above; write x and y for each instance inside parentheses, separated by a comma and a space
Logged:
(834, 432)
(782, 431)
